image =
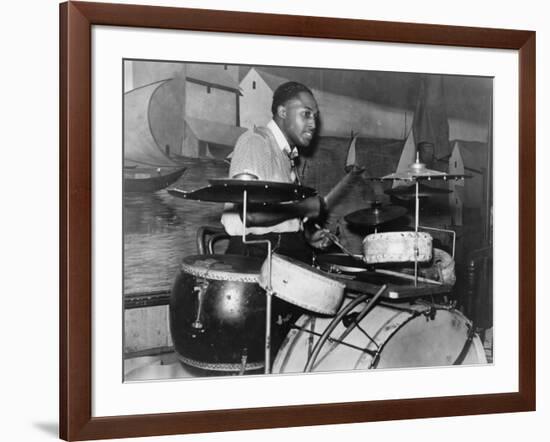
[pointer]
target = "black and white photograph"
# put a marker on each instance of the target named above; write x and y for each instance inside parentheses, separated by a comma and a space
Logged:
(381, 159)
(286, 220)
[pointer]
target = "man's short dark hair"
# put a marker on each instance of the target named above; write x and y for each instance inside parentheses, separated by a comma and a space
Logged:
(285, 92)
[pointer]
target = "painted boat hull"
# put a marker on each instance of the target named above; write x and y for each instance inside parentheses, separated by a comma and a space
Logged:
(149, 180)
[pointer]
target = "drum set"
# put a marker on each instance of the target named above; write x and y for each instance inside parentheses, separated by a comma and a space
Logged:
(358, 313)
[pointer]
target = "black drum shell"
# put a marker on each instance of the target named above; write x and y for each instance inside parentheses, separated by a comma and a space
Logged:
(230, 327)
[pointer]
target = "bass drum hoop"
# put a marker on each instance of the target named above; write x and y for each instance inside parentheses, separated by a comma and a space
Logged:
(229, 367)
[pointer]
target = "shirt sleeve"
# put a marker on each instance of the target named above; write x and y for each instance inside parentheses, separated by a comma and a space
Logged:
(251, 155)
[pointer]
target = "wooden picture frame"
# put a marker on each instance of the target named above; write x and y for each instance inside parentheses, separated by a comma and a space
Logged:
(76, 21)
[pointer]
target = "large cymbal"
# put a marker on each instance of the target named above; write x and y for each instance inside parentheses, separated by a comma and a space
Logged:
(408, 192)
(257, 191)
(375, 215)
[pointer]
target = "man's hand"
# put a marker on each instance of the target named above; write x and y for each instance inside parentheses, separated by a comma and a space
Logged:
(319, 239)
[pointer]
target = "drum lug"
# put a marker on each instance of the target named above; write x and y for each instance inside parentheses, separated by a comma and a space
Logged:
(430, 313)
(200, 290)
(244, 358)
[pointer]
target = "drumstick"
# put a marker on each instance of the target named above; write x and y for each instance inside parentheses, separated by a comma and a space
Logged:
(341, 186)
(337, 242)
(406, 276)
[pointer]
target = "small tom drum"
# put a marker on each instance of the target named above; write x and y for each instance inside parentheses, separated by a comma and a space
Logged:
(302, 285)
(388, 247)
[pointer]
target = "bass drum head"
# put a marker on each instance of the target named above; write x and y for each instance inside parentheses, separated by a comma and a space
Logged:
(425, 342)
(222, 267)
(387, 337)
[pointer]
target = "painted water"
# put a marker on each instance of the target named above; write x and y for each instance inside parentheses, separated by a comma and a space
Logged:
(159, 229)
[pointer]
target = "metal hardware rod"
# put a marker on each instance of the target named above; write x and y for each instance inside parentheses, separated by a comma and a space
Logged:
(268, 290)
(416, 223)
(452, 232)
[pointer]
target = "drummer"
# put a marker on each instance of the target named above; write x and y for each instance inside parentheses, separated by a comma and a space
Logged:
(270, 153)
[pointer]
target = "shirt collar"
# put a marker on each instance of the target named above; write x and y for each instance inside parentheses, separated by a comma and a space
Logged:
(281, 140)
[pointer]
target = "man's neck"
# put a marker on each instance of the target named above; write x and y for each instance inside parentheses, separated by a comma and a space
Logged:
(280, 137)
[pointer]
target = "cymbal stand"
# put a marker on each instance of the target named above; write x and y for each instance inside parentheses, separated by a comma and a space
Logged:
(416, 224)
(268, 289)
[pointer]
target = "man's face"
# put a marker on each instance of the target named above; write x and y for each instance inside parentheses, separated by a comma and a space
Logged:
(298, 119)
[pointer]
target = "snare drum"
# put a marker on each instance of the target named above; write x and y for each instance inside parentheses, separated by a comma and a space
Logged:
(388, 247)
(389, 336)
(302, 285)
(217, 313)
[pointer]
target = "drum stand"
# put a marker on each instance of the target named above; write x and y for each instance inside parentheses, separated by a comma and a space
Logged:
(268, 288)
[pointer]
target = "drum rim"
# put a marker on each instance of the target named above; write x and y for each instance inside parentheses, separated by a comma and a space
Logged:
(310, 308)
(374, 236)
(218, 274)
(221, 366)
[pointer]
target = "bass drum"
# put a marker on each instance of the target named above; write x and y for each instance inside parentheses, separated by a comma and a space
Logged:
(217, 313)
(389, 336)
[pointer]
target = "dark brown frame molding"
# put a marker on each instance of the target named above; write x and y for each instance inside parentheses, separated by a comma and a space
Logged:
(76, 421)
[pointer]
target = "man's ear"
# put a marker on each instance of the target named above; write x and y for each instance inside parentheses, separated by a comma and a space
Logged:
(281, 111)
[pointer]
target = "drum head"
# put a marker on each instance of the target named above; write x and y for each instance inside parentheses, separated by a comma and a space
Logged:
(223, 267)
(424, 341)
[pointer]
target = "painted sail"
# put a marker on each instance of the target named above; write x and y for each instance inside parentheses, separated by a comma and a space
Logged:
(351, 159)
(148, 116)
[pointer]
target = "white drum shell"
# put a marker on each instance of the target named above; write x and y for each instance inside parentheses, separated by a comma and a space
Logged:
(388, 247)
(302, 285)
(442, 268)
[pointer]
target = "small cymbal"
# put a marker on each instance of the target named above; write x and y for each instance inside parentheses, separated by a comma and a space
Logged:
(232, 191)
(375, 215)
(419, 171)
(424, 191)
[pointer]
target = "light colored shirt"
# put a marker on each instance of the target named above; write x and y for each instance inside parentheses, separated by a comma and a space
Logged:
(264, 152)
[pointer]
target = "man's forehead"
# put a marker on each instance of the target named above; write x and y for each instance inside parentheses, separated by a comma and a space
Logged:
(303, 99)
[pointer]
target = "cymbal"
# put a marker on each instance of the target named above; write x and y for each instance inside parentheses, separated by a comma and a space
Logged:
(424, 191)
(419, 171)
(257, 191)
(375, 215)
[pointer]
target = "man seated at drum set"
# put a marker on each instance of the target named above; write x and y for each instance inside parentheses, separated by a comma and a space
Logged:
(223, 317)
